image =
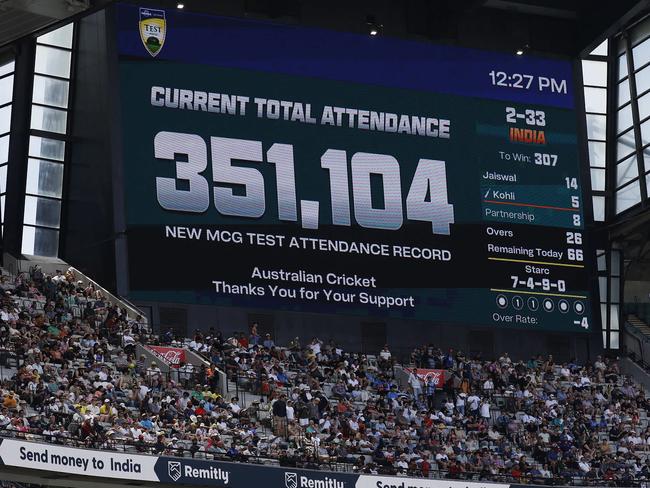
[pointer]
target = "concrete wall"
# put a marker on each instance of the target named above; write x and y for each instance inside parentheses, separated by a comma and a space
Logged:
(637, 291)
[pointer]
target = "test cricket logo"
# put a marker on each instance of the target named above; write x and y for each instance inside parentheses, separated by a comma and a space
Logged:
(153, 27)
(174, 470)
(291, 480)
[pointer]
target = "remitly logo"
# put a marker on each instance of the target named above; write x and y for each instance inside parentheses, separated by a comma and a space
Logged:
(292, 480)
(177, 470)
(174, 470)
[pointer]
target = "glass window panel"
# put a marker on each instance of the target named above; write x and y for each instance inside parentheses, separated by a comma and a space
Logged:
(50, 91)
(602, 288)
(644, 106)
(601, 49)
(646, 159)
(604, 334)
(615, 289)
(642, 80)
(594, 73)
(627, 197)
(52, 61)
(613, 317)
(4, 149)
(639, 32)
(2, 208)
(61, 37)
(6, 89)
(42, 211)
(44, 178)
(49, 119)
(599, 208)
(626, 170)
(613, 339)
(596, 126)
(623, 119)
(625, 145)
(597, 179)
(5, 119)
(622, 67)
(595, 100)
(601, 260)
(641, 54)
(597, 153)
(3, 179)
(29, 234)
(7, 68)
(623, 92)
(42, 147)
(645, 132)
(40, 242)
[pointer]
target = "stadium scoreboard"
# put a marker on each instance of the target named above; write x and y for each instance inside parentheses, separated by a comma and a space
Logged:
(299, 169)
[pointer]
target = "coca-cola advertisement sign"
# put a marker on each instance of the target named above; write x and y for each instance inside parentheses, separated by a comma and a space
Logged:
(171, 355)
(438, 375)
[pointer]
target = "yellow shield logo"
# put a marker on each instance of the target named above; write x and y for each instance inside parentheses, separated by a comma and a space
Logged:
(153, 27)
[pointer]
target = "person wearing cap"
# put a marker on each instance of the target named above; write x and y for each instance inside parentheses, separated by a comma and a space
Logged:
(106, 411)
(268, 342)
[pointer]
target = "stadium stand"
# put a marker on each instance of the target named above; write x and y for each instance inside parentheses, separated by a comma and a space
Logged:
(70, 375)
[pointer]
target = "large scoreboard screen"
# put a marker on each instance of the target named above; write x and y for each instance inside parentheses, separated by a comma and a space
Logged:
(292, 168)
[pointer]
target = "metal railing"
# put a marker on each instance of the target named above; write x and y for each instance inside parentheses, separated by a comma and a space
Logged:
(132, 311)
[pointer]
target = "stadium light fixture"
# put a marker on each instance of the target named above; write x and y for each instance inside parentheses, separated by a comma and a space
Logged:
(522, 50)
(180, 5)
(374, 28)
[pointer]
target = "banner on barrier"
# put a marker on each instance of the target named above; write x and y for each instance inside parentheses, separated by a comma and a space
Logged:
(49, 457)
(184, 471)
(438, 375)
(173, 356)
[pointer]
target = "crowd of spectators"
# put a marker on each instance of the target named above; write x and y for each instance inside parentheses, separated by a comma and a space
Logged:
(79, 381)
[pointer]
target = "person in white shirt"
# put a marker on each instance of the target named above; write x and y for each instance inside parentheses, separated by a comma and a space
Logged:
(551, 402)
(325, 424)
(485, 409)
(144, 389)
(234, 405)
(402, 464)
(414, 382)
(449, 406)
(584, 466)
(635, 439)
(528, 419)
(290, 411)
(385, 354)
(473, 403)
(460, 403)
(488, 385)
(315, 346)
(127, 339)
